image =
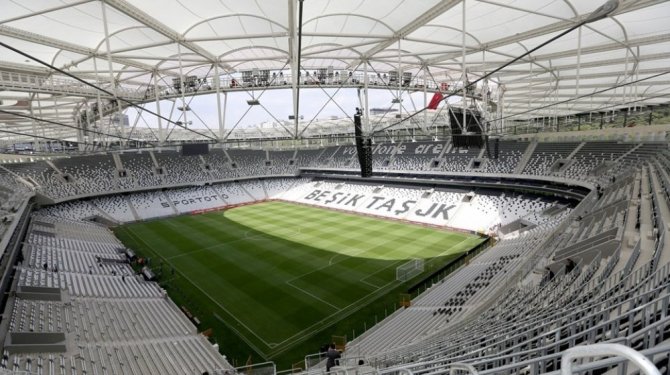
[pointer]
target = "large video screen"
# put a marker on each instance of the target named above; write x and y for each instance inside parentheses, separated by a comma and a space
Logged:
(190, 149)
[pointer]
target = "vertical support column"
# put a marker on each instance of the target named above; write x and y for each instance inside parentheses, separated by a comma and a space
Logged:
(464, 66)
(225, 106)
(626, 78)
(295, 70)
(181, 87)
(399, 96)
(556, 107)
(501, 104)
(485, 98)
(99, 101)
(60, 135)
(625, 118)
(637, 76)
(81, 138)
(366, 110)
(39, 110)
(579, 59)
(112, 81)
(425, 100)
(33, 123)
(293, 58)
(530, 91)
(161, 134)
(217, 87)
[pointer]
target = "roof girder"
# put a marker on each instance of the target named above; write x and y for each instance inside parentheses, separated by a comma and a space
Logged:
(413, 25)
(544, 30)
(59, 44)
(149, 21)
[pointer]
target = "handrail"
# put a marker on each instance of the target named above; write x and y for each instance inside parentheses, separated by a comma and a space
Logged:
(602, 363)
(632, 259)
(490, 361)
(660, 244)
(625, 281)
(452, 367)
(244, 369)
(586, 244)
(596, 350)
(611, 263)
(462, 366)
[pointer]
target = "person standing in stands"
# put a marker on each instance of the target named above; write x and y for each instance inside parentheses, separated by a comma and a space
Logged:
(333, 355)
(323, 350)
(569, 265)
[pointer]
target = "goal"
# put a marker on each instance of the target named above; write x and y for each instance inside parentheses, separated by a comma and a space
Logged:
(409, 269)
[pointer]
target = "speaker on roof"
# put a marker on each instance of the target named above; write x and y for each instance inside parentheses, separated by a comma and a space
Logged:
(363, 146)
(469, 133)
(190, 149)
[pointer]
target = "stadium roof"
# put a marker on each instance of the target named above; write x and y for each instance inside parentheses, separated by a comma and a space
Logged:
(129, 47)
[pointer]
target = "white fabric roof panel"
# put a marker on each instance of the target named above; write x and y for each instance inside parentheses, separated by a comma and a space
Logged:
(151, 37)
(42, 52)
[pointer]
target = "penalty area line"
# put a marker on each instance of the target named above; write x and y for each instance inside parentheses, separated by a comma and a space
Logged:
(213, 300)
(313, 296)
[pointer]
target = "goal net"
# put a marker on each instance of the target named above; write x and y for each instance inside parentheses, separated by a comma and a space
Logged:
(409, 269)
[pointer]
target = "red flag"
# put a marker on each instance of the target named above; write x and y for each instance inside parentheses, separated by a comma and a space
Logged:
(437, 98)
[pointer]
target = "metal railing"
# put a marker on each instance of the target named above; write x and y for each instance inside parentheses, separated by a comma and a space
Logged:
(263, 368)
(441, 366)
(633, 258)
(598, 350)
(532, 366)
(608, 298)
(60, 85)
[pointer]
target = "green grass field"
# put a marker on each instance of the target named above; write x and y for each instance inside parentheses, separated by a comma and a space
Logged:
(274, 274)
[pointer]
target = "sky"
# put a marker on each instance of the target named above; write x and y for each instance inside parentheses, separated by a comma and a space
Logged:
(275, 105)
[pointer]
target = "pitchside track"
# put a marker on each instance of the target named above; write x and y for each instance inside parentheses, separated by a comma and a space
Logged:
(277, 272)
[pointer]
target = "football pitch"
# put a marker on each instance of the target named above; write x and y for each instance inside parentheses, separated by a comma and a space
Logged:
(275, 273)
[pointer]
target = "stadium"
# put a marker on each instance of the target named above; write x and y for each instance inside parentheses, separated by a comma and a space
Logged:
(347, 187)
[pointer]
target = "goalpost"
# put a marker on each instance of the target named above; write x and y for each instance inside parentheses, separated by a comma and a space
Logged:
(409, 269)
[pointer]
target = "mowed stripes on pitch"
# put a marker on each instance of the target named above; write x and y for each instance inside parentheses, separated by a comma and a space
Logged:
(280, 268)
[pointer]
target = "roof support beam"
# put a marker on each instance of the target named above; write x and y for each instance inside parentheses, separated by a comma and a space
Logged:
(586, 86)
(612, 75)
(587, 50)
(59, 44)
(45, 11)
(608, 47)
(294, 45)
(544, 30)
(423, 19)
(145, 19)
(592, 64)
